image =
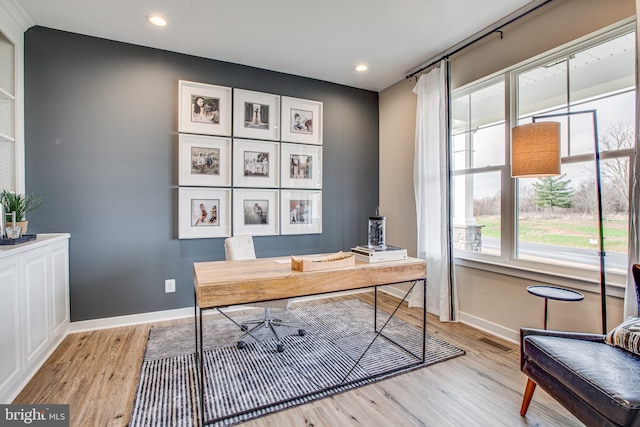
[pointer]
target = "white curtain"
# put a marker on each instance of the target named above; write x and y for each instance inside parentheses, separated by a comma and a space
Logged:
(431, 187)
(630, 299)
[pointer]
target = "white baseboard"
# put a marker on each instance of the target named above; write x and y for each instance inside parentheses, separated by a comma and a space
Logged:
(490, 328)
(160, 316)
(394, 292)
(133, 319)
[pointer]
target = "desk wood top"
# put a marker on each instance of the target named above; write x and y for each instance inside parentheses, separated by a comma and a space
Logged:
(224, 283)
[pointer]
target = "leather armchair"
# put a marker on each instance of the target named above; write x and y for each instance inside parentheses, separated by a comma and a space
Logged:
(596, 382)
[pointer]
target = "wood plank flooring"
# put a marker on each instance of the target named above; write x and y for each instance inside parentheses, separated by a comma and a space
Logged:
(96, 374)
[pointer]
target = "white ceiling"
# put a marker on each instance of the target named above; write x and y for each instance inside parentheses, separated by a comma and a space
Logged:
(321, 39)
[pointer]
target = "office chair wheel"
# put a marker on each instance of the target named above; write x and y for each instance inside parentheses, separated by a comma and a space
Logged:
(241, 345)
(244, 328)
(280, 348)
(302, 332)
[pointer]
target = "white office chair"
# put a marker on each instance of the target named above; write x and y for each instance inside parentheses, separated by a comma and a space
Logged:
(240, 248)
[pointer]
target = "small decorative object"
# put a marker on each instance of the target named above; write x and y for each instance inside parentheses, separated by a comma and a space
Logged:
(376, 231)
(301, 121)
(13, 231)
(256, 115)
(323, 262)
(204, 108)
(21, 204)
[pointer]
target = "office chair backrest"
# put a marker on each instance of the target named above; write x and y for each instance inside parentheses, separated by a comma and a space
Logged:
(239, 247)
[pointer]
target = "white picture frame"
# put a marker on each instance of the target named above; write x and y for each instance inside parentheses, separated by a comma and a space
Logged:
(300, 212)
(301, 121)
(204, 161)
(196, 210)
(256, 211)
(256, 164)
(256, 115)
(300, 166)
(204, 108)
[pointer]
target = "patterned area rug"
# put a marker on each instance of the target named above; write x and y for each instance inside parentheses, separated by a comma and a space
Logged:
(244, 384)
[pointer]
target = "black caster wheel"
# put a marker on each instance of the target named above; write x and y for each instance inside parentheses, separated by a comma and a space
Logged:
(245, 328)
(280, 348)
(241, 345)
(302, 332)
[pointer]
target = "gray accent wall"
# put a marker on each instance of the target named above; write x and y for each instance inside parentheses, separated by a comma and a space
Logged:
(101, 141)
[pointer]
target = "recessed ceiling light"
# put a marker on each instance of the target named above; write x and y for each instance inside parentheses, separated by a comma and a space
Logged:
(157, 20)
(361, 67)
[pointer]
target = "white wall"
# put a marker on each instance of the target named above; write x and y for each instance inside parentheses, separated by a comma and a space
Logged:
(497, 302)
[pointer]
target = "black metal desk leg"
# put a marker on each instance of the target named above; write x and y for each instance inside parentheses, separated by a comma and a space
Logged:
(201, 373)
(424, 318)
(375, 309)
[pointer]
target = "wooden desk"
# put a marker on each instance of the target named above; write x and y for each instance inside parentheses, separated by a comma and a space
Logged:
(224, 283)
(219, 284)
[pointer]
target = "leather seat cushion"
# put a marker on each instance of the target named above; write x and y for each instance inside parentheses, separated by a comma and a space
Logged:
(605, 377)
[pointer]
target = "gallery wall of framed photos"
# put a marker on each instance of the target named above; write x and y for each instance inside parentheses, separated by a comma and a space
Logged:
(249, 163)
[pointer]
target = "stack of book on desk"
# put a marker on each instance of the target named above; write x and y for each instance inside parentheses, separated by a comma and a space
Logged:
(390, 253)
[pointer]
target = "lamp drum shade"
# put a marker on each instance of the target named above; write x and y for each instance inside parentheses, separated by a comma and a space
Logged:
(535, 150)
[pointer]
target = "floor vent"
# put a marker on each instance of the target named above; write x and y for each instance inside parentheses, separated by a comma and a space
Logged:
(496, 344)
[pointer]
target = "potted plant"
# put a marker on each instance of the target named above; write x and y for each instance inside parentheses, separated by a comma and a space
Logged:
(21, 204)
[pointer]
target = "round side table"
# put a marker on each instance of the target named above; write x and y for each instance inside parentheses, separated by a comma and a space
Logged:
(553, 292)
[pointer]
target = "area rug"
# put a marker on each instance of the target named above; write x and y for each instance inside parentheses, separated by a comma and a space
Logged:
(245, 384)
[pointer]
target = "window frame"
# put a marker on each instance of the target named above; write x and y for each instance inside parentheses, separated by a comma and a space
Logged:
(506, 262)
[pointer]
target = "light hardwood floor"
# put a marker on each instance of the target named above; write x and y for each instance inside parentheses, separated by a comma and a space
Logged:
(96, 374)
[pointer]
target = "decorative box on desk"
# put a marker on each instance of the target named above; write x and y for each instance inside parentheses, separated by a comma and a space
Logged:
(390, 253)
(323, 262)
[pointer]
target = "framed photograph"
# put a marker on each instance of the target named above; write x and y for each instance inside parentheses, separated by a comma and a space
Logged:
(256, 115)
(204, 161)
(300, 212)
(300, 166)
(256, 164)
(301, 121)
(204, 213)
(204, 109)
(256, 212)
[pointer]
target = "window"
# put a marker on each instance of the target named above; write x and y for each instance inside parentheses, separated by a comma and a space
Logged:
(548, 221)
(478, 143)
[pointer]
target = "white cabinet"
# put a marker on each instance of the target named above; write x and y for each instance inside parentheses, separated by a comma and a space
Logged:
(10, 342)
(35, 303)
(34, 307)
(60, 288)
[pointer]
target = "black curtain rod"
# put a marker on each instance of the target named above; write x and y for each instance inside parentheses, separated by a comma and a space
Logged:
(498, 29)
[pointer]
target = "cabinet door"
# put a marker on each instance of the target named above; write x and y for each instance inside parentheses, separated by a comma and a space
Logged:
(36, 319)
(60, 288)
(9, 327)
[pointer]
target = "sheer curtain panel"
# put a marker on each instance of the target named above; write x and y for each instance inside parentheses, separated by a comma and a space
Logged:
(431, 187)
